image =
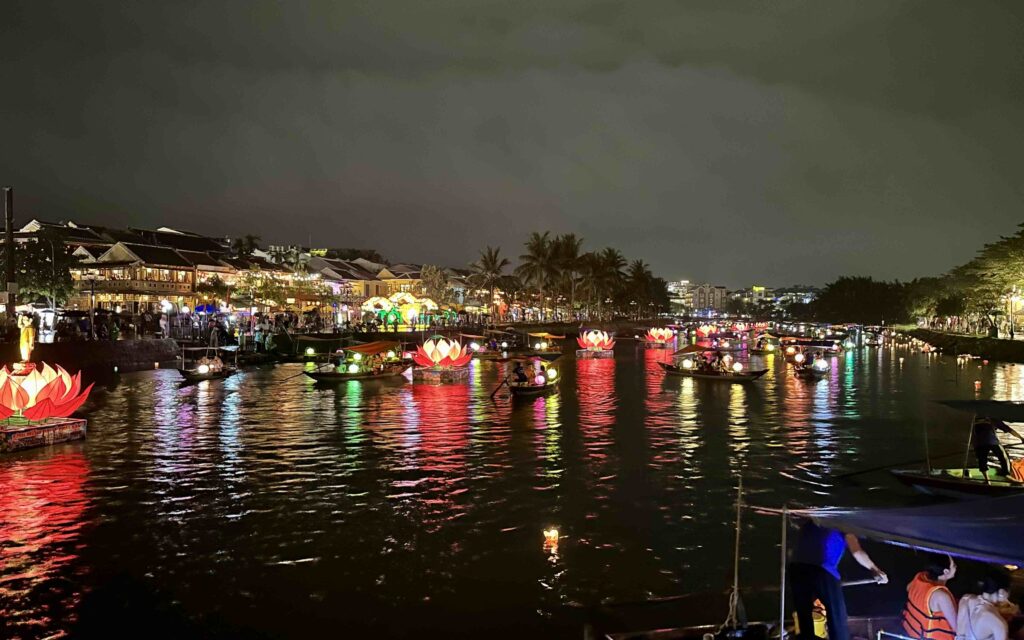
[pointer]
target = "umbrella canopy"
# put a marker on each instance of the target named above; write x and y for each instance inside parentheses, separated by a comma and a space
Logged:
(1006, 411)
(373, 348)
(692, 348)
(547, 336)
(983, 530)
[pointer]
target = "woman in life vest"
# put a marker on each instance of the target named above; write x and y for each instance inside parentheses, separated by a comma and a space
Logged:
(930, 612)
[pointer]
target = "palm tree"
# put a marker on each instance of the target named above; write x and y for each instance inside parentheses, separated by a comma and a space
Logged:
(244, 246)
(567, 260)
(640, 278)
(488, 272)
(537, 265)
(611, 262)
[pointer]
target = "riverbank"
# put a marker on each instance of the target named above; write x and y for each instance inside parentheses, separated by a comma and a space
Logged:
(99, 356)
(989, 348)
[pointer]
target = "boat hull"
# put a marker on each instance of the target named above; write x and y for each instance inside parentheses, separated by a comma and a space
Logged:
(746, 376)
(533, 390)
(338, 376)
(191, 375)
(944, 482)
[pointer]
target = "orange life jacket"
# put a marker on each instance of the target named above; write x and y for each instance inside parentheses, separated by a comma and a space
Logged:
(919, 621)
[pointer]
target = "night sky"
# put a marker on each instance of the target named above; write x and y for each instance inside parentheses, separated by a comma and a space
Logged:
(765, 142)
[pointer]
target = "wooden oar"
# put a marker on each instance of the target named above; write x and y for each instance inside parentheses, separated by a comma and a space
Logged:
(892, 464)
(498, 388)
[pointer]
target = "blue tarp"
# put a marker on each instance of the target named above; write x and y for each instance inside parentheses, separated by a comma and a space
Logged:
(986, 530)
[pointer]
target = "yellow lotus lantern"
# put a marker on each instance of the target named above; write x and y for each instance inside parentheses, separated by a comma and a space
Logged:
(377, 303)
(659, 335)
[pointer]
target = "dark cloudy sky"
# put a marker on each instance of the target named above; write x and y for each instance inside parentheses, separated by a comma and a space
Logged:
(771, 142)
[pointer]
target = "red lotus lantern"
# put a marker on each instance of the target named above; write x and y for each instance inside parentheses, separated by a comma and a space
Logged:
(43, 393)
(659, 336)
(442, 353)
(705, 330)
(595, 340)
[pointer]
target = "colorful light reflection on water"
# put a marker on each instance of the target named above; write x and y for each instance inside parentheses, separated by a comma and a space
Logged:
(264, 503)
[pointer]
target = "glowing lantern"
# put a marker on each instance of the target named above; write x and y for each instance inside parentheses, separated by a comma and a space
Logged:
(474, 346)
(799, 357)
(543, 345)
(551, 540)
(820, 365)
(552, 374)
(504, 345)
(357, 356)
(705, 330)
(595, 340)
(391, 355)
(659, 336)
(539, 379)
(977, 385)
(203, 368)
(442, 353)
(769, 347)
(687, 364)
(725, 344)
(353, 368)
(790, 351)
(43, 393)
(537, 346)
(737, 367)
(310, 351)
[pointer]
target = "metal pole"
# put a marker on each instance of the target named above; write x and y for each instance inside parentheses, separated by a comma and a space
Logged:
(9, 252)
(782, 574)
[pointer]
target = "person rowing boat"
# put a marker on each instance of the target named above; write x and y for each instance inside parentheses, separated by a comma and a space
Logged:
(987, 443)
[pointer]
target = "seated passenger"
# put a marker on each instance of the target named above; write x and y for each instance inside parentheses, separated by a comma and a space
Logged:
(519, 374)
(930, 612)
(979, 616)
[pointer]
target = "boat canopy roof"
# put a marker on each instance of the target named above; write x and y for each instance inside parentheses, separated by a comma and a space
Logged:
(1001, 410)
(226, 347)
(693, 348)
(470, 335)
(373, 348)
(549, 336)
(983, 530)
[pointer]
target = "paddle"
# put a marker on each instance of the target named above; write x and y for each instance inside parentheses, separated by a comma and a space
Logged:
(498, 388)
(894, 464)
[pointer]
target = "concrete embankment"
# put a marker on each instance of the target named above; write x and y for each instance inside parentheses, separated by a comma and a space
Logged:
(989, 348)
(99, 357)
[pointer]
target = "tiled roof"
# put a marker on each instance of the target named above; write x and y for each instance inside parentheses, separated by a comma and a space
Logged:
(153, 255)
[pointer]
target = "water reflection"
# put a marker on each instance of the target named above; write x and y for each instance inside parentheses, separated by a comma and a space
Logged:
(387, 506)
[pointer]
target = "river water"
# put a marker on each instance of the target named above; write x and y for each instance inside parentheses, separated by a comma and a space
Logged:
(264, 506)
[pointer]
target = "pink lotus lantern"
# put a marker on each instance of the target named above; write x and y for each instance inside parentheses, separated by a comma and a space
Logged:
(442, 353)
(595, 340)
(659, 336)
(43, 393)
(705, 330)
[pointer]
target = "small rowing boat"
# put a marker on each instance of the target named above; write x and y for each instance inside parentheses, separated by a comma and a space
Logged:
(199, 373)
(388, 371)
(207, 364)
(529, 390)
(954, 483)
(705, 374)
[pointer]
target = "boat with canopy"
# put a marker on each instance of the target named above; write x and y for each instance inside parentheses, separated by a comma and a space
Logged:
(207, 363)
(371, 360)
(986, 531)
(965, 482)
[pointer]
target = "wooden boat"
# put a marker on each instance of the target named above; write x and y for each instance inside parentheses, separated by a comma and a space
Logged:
(953, 483)
(389, 371)
(810, 373)
(720, 376)
(532, 390)
(203, 371)
(195, 375)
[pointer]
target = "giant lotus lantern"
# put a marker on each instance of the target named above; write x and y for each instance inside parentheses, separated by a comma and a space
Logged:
(659, 336)
(41, 394)
(442, 353)
(595, 344)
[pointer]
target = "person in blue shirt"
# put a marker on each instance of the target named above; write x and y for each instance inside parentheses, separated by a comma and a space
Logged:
(814, 575)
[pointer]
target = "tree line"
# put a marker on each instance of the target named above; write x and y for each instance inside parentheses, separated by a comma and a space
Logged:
(975, 295)
(564, 282)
